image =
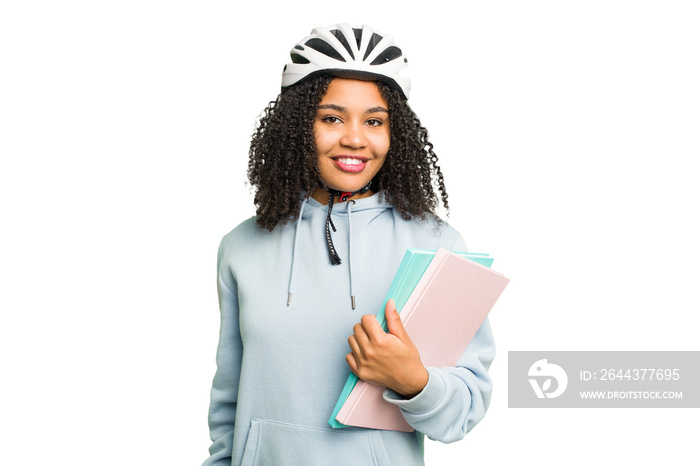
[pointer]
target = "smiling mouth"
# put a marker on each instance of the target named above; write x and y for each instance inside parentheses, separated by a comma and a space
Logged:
(350, 164)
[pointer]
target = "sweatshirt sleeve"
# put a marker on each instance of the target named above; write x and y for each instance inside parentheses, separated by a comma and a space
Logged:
(455, 398)
(224, 391)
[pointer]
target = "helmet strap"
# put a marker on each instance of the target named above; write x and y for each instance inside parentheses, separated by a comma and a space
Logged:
(344, 196)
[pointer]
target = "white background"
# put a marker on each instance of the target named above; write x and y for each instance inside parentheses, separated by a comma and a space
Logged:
(568, 133)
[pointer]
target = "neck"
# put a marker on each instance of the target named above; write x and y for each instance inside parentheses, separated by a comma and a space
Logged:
(321, 195)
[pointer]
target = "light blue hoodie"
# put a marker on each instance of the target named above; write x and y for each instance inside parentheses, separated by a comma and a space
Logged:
(282, 367)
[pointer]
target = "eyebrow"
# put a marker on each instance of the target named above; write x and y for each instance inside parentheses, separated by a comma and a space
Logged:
(338, 108)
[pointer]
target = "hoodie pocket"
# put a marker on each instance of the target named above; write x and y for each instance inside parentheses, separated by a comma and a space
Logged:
(278, 443)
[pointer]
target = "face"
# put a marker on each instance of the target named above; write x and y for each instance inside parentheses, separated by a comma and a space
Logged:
(352, 135)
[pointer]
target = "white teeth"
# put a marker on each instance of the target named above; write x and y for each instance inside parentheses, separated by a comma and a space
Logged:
(349, 161)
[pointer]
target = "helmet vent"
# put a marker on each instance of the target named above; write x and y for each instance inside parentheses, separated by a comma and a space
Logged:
(296, 58)
(339, 35)
(358, 36)
(372, 44)
(325, 48)
(391, 53)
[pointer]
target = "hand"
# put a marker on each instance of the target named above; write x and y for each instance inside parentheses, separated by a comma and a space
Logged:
(388, 359)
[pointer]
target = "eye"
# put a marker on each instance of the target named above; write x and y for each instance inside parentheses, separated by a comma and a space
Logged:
(374, 122)
(330, 119)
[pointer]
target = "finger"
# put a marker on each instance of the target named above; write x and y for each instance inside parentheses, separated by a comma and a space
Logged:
(352, 362)
(393, 320)
(372, 328)
(361, 335)
(354, 346)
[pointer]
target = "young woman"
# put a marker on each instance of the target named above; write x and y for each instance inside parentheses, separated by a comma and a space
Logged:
(345, 181)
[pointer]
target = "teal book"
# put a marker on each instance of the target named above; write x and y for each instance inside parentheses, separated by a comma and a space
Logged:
(410, 271)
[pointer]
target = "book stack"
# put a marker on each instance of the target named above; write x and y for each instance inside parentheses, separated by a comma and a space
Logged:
(443, 298)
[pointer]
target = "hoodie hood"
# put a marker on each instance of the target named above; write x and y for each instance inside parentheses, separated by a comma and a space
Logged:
(344, 214)
(371, 205)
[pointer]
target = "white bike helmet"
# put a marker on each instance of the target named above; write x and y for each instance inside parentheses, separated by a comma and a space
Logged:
(348, 52)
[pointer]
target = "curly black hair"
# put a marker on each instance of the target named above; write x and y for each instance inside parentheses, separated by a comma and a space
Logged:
(283, 157)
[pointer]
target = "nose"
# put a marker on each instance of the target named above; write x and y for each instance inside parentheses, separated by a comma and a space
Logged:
(354, 136)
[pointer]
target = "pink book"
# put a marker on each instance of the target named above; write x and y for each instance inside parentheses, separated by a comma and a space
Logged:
(442, 315)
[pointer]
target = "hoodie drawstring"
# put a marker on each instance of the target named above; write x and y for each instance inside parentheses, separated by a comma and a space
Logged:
(352, 294)
(332, 253)
(294, 251)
